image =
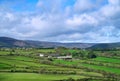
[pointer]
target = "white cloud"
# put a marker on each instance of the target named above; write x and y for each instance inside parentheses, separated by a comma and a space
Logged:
(114, 2)
(83, 5)
(10, 16)
(80, 22)
(112, 9)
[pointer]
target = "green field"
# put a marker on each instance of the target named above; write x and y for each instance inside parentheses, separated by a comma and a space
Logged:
(96, 67)
(105, 59)
(34, 77)
(104, 68)
(26, 65)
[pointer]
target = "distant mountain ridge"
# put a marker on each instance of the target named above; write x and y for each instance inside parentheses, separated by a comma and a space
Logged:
(106, 45)
(44, 44)
(11, 42)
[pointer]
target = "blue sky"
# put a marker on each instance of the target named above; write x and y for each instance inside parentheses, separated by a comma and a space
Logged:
(61, 20)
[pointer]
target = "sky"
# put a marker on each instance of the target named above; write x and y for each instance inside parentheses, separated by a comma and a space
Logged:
(86, 21)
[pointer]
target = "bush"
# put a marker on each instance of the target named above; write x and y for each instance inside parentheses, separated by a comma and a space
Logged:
(50, 59)
(12, 70)
(91, 56)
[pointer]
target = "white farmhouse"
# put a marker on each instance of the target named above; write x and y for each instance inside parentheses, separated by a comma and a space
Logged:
(41, 55)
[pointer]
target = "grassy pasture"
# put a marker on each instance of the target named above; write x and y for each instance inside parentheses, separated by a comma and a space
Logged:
(104, 68)
(4, 52)
(96, 67)
(34, 77)
(28, 61)
(65, 62)
(19, 63)
(4, 66)
(105, 59)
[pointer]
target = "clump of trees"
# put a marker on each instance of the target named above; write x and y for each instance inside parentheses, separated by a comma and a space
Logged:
(91, 54)
(85, 54)
(77, 53)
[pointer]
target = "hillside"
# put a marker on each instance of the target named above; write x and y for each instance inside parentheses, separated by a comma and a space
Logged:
(11, 42)
(106, 45)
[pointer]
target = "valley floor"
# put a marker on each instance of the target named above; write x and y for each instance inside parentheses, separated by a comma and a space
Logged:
(26, 67)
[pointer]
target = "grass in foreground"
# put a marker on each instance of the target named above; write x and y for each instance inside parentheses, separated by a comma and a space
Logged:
(34, 77)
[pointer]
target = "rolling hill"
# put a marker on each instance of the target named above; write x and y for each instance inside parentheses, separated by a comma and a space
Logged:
(11, 42)
(106, 46)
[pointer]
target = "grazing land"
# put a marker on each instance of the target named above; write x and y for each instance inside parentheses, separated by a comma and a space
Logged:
(26, 64)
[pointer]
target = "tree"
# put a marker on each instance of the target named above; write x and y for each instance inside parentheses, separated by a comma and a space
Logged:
(60, 49)
(91, 54)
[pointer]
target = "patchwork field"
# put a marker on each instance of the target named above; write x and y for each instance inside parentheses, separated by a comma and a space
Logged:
(28, 66)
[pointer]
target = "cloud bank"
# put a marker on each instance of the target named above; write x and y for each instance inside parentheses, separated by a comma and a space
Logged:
(61, 20)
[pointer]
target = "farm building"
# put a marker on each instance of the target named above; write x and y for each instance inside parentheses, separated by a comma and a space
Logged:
(41, 55)
(53, 55)
(58, 56)
(68, 57)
